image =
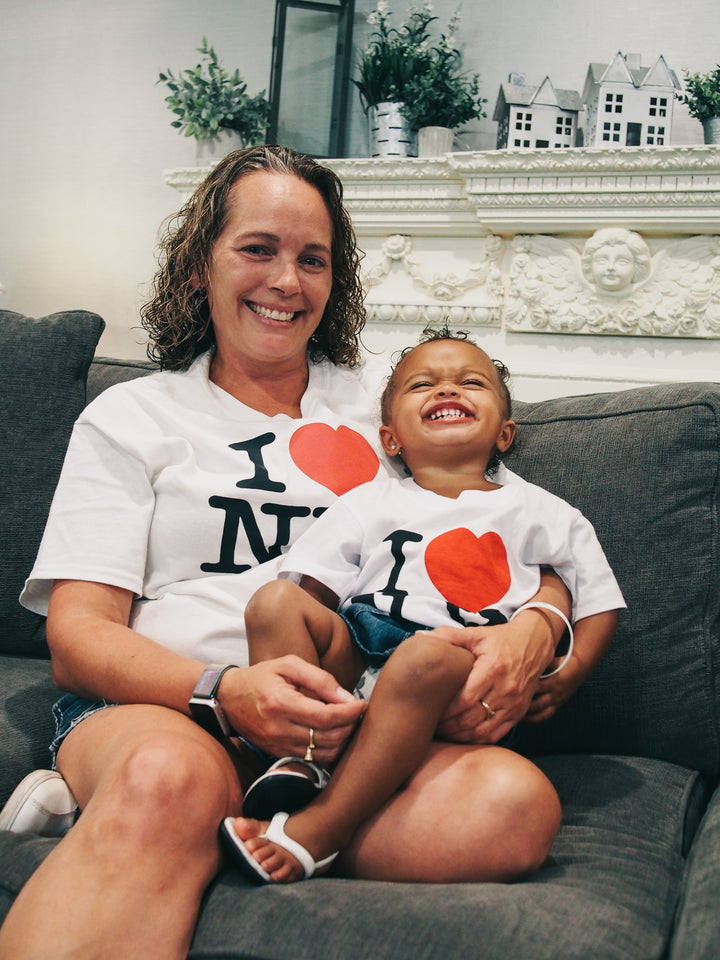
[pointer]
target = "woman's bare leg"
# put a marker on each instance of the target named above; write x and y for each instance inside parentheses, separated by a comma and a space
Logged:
(127, 880)
(469, 813)
(411, 695)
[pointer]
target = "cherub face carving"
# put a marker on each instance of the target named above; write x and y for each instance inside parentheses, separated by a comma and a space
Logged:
(612, 266)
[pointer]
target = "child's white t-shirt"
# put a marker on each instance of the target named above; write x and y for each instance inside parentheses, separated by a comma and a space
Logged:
(434, 560)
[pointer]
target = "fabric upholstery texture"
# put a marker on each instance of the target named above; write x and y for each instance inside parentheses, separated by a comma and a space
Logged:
(43, 369)
(698, 930)
(643, 467)
(26, 723)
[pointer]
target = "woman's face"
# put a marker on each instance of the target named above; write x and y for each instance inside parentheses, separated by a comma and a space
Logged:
(270, 271)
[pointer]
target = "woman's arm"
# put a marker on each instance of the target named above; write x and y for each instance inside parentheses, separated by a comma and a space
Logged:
(509, 661)
(96, 654)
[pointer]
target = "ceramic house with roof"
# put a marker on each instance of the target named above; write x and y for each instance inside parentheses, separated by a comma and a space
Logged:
(530, 116)
(627, 105)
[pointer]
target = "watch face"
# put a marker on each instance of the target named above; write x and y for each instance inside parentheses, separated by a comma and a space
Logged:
(209, 715)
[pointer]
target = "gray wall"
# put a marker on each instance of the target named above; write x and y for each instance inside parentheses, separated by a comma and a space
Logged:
(86, 134)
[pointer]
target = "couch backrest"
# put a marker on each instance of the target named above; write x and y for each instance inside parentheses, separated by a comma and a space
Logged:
(43, 370)
(106, 371)
(643, 465)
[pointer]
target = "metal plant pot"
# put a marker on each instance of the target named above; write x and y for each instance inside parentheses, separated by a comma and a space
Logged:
(711, 129)
(390, 133)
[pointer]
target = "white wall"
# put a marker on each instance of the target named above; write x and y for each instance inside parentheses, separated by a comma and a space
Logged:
(86, 134)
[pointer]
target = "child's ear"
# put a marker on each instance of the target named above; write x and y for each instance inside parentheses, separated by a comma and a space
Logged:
(389, 442)
(506, 436)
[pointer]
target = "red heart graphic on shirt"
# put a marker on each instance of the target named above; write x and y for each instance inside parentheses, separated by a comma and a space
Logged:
(338, 459)
(470, 572)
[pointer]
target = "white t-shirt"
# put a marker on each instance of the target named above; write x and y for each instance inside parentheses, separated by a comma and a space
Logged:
(434, 560)
(175, 490)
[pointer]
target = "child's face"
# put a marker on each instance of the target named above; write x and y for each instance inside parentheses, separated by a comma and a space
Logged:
(448, 401)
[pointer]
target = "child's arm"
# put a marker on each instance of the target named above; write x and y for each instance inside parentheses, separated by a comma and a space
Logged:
(592, 638)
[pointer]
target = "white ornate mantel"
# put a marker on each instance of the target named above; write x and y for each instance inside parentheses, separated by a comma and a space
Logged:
(606, 243)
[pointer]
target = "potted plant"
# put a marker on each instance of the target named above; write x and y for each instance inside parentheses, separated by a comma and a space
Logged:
(702, 98)
(415, 85)
(213, 106)
(441, 99)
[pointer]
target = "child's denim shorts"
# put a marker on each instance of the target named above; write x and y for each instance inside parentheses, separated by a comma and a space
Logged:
(375, 632)
(68, 712)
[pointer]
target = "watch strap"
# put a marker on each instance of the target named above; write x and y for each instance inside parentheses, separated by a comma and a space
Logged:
(207, 685)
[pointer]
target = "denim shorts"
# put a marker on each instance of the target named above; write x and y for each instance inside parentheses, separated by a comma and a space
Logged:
(376, 633)
(68, 712)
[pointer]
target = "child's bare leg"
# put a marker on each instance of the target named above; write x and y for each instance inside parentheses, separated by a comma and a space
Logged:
(409, 699)
(283, 618)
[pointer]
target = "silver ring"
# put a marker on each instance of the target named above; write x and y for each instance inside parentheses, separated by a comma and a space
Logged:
(310, 747)
(490, 713)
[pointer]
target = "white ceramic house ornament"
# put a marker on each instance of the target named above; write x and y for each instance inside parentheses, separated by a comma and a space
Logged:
(627, 105)
(535, 117)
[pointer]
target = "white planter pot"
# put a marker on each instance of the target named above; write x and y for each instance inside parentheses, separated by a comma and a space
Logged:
(435, 141)
(210, 150)
(711, 130)
(390, 133)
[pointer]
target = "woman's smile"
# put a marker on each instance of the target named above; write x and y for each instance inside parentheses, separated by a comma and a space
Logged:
(271, 314)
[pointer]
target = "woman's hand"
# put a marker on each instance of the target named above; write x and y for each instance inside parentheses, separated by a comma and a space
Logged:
(509, 659)
(275, 703)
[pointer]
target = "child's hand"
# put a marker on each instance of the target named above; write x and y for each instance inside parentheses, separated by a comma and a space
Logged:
(592, 637)
(554, 691)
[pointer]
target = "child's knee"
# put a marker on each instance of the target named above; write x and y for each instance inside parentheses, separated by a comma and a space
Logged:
(424, 661)
(262, 608)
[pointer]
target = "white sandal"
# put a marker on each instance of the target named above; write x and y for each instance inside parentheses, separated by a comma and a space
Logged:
(280, 790)
(276, 834)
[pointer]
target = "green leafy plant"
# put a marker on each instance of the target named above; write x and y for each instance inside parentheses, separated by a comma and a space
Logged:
(400, 65)
(702, 94)
(208, 99)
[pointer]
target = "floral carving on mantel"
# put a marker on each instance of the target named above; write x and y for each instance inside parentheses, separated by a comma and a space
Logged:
(588, 159)
(614, 284)
(433, 314)
(446, 286)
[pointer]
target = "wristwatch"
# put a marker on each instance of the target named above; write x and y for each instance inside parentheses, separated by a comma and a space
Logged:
(204, 706)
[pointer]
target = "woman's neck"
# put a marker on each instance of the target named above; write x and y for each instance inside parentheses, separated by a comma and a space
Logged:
(269, 389)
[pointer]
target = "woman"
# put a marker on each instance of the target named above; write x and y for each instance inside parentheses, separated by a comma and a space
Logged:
(178, 494)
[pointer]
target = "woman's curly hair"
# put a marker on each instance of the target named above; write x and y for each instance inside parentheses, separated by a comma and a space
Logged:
(177, 318)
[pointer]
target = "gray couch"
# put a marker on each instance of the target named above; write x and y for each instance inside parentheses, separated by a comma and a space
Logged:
(635, 755)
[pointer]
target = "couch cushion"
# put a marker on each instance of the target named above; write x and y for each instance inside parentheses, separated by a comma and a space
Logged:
(643, 466)
(43, 367)
(608, 890)
(698, 931)
(26, 723)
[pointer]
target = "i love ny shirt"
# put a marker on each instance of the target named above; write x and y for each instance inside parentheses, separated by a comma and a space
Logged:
(435, 560)
(176, 491)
